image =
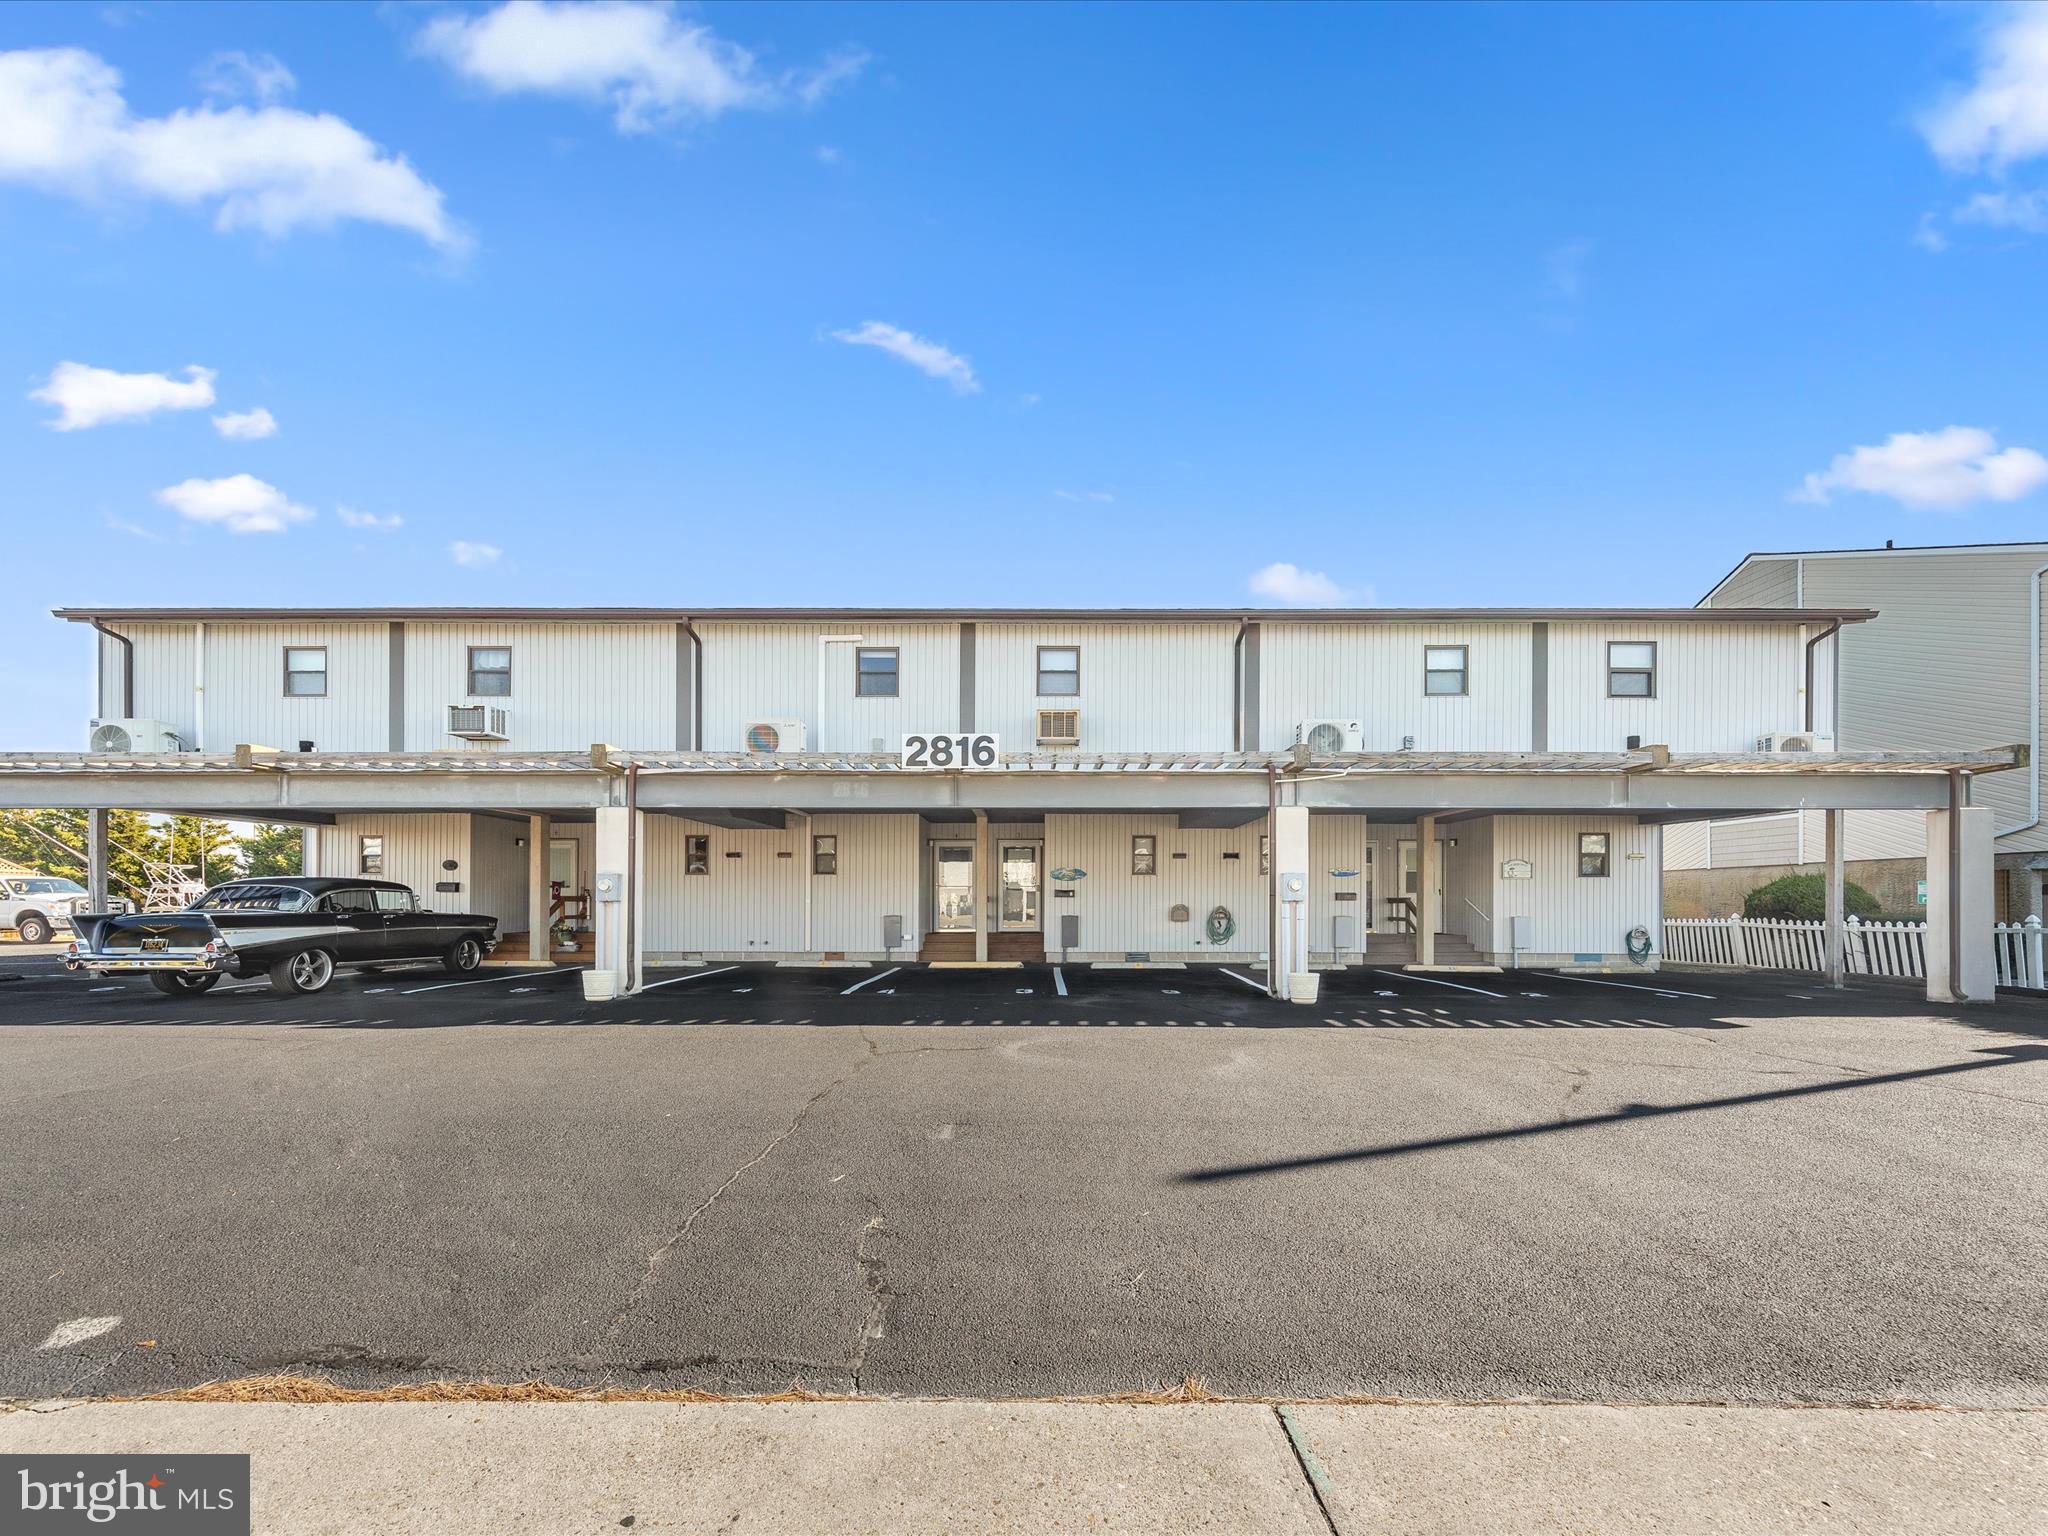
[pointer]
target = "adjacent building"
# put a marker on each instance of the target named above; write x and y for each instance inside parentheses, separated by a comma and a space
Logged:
(1430, 787)
(1952, 658)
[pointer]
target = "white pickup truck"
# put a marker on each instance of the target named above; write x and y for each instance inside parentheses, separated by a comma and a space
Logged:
(38, 906)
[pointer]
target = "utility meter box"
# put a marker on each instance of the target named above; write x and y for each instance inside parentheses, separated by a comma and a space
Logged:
(892, 931)
(1343, 933)
(608, 887)
(1070, 930)
(1521, 933)
(1294, 887)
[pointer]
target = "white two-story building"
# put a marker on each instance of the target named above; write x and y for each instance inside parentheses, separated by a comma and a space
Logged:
(1426, 786)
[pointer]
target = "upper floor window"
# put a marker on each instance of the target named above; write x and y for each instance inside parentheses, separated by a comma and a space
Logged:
(1444, 669)
(305, 671)
(875, 672)
(1593, 855)
(1059, 671)
(1631, 669)
(371, 860)
(490, 671)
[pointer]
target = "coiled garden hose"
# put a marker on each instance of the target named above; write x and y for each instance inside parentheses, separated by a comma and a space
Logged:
(1221, 926)
(1639, 944)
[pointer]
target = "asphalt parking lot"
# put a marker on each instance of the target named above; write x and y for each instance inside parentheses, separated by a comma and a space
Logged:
(1029, 1181)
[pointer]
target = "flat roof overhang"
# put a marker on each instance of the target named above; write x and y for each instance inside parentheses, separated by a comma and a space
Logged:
(841, 616)
(259, 784)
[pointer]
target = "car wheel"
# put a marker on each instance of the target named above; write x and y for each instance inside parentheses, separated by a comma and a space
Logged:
(34, 929)
(183, 983)
(307, 971)
(463, 956)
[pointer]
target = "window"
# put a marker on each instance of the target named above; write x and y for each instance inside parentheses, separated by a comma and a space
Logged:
(1265, 853)
(370, 860)
(1593, 855)
(874, 672)
(1631, 669)
(305, 671)
(697, 854)
(1059, 672)
(490, 671)
(396, 901)
(350, 901)
(1144, 854)
(1443, 669)
(241, 896)
(825, 855)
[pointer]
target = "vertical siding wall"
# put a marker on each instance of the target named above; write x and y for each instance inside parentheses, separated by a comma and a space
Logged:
(1372, 673)
(164, 656)
(1122, 913)
(1573, 916)
(245, 698)
(1144, 687)
(1468, 883)
(1337, 844)
(1719, 687)
(415, 844)
(572, 684)
(754, 903)
(770, 672)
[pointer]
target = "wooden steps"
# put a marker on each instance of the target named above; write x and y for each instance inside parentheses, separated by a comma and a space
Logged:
(1399, 949)
(958, 946)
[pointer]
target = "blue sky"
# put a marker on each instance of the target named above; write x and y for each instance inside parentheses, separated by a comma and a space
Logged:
(988, 305)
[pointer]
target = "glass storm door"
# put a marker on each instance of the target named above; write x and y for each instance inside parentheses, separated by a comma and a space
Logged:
(1020, 888)
(953, 887)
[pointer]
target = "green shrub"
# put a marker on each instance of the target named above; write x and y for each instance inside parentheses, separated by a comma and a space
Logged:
(1805, 898)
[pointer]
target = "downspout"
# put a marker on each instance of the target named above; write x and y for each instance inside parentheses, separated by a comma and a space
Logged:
(127, 670)
(632, 875)
(804, 852)
(1956, 800)
(1273, 881)
(2033, 708)
(1833, 629)
(1237, 687)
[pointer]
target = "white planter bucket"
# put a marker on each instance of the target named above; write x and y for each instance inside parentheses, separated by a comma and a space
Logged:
(1304, 987)
(599, 986)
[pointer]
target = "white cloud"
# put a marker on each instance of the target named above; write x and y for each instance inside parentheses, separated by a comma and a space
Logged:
(1928, 236)
(931, 357)
(1102, 496)
(351, 518)
(464, 552)
(2007, 210)
(65, 128)
(828, 154)
(1286, 583)
(86, 396)
(2001, 118)
(1564, 267)
(241, 502)
(246, 426)
(644, 61)
(239, 76)
(1946, 469)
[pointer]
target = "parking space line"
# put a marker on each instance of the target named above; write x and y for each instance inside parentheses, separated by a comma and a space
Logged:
(866, 979)
(1059, 980)
(692, 976)
(442, 986)
(1634, 986)
(1256, 986)
(1437, 981)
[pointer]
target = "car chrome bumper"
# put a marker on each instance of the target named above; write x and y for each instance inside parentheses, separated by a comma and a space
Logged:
(95, 965)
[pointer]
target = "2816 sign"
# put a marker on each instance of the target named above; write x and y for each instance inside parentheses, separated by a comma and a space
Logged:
(968, 749)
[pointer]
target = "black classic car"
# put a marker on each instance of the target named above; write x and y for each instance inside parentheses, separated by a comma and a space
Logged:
(294, 928)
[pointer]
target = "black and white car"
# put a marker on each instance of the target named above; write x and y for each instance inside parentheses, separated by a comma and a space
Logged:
(296, 929)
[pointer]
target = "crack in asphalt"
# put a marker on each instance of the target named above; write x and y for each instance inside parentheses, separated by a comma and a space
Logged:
(874, 1275)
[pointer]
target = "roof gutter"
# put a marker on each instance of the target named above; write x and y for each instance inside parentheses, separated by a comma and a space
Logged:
(127, 669)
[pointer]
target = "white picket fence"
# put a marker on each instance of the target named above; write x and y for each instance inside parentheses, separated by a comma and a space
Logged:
(1868, 949)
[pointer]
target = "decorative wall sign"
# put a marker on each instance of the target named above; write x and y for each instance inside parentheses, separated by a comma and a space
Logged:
(1067, 876)
(1344, 874)
(1515, 869)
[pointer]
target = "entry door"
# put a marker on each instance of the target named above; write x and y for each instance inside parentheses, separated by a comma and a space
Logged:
(1019, 912)
(953, 887)
(562, 864)
(1432, 910)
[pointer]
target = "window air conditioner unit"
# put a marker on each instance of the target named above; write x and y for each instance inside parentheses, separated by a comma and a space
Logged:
(476, 722)
(775, 736)
(1780, 743)
(1059, 727)
(1330, 736)
(134, 736)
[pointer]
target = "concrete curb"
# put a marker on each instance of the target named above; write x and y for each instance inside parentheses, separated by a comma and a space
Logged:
(905, 1468)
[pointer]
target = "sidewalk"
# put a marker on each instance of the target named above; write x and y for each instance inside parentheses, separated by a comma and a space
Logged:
(906, 1468)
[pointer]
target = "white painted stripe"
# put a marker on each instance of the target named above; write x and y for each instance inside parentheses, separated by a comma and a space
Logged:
(693, 976)
(77, 1331)
(866, 979)
(1059, 980)
(1256, 986)
(1437, 981)
(484, 981)
(1636, 987)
